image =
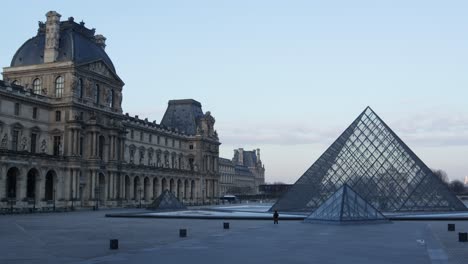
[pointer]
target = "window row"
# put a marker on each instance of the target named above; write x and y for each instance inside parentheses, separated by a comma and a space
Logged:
(35, 112)
(20, 142)
(59, 85)
(173, 142)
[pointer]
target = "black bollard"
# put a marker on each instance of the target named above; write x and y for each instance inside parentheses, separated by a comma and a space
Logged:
(462, 237)
(451, 227)
(226, 225)
(182, 232)
(114, 244)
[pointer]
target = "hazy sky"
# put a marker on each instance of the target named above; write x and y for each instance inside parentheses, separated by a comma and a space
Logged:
(285, 76)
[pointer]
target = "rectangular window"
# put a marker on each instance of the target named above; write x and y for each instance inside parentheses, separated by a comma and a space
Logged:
(173, 142)
(14, 140)
(165, 141)
(58, 116)
(180, 144)
(33, 142)
(34, 113)
(159, 140)
(17, 108)
(150, 138)
(131, 134)
(141, 136)
(57, 145)
(191, 146)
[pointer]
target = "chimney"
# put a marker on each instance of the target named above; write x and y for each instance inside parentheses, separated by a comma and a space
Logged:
(52, 36)
(100, 41)
(241, 156)
(258, 155)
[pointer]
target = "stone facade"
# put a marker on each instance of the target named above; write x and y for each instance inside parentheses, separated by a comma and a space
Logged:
(243, 174)
(64, 139)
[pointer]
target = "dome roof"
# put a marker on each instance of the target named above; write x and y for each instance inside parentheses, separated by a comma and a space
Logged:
(77, 43)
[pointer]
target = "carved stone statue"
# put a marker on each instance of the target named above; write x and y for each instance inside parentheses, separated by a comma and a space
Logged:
(44, 146)
(24, 144)
(4, 141)
(75, 83)
(60, 148)
(142, 156)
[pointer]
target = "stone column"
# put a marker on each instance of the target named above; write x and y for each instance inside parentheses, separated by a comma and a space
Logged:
(92, 185)
(131, 194)
(41, 186)
(21, 185)
(67, 183)
(60, 186)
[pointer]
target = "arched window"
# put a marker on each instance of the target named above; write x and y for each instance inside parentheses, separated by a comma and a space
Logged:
(96, 93)
(79, 88)
(16, 82)
(59, 84)
(111, 98)
(37, 86)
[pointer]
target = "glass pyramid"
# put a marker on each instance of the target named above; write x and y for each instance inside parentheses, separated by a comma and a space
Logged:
(346, 206)
(167, 201)
(377, 164)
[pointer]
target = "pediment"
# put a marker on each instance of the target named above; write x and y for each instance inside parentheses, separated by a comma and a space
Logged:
(101, 68)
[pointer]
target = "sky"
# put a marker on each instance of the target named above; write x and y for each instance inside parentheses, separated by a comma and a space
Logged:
(285, 76)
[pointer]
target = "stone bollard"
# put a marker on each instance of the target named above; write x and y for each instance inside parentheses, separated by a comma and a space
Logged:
(462, 237)
(114, 244)
(226, 225)
(451, 227)
(182, 232)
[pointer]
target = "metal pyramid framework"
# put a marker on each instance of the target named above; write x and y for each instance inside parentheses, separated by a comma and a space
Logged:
(377, 164)
(167, 201)
(345, 206)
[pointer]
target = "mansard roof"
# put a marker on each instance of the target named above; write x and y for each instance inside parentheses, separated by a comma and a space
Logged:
(77, 43)
(249, 158)
(183, 115)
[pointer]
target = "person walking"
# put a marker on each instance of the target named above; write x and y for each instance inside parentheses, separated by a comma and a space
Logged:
(275, 217)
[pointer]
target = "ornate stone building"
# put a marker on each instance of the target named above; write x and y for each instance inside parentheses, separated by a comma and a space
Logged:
(243, 174)
(64, 139)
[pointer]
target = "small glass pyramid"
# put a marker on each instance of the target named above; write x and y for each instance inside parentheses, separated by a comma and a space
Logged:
(167, 201)
(346, 206)
(375, 162)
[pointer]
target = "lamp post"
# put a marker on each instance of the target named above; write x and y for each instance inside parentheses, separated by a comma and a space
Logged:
(96, 194)
(55, 191)
(12, 199)
(72, 198)
(139, 192)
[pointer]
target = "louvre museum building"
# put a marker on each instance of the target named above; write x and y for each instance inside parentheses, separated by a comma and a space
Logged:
(64, 140)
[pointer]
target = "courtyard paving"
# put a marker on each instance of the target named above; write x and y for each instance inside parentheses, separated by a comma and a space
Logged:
(83, 237)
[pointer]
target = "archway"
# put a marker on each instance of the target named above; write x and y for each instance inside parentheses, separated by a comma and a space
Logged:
(186, 189)
(146, 191)
(192, 190)
(127, 188)
(179, 189)
(172, 186)
(50, 185)
(31, 185)
(164, 185)
(101, 189)
(11, 184)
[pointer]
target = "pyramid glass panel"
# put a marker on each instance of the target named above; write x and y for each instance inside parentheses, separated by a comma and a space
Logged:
(345, 206)
(375, 162)
(167, 201)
